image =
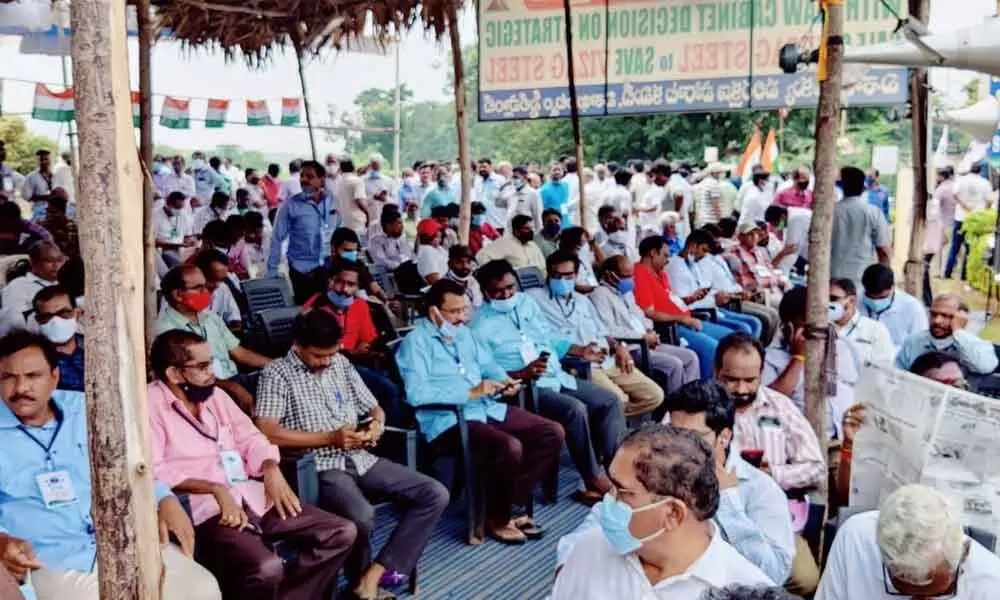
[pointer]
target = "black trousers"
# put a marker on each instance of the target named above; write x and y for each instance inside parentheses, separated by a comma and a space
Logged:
(307, 285)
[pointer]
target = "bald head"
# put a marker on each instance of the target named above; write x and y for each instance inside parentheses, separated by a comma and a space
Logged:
(616, 268)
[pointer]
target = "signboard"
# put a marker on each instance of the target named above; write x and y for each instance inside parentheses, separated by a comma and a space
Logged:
(885, 159)
(995, 141)
(648, 56)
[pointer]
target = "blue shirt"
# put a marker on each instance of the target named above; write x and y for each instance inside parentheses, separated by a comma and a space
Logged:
(437, 196)
(71, 368)
(573, 318)
(753, 517)
(307, 226)
(976, 355)
(904, 316)
(504, 334)
(555, 195)
(879, 198)
(436, 371)
(63, 537)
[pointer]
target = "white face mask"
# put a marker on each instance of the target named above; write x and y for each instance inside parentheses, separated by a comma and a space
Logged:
(58, 330)
(943, 343)
(198, 164)
(619, 237)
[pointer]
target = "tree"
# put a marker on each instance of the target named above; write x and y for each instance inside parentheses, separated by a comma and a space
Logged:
(21, 144)
(377, 109)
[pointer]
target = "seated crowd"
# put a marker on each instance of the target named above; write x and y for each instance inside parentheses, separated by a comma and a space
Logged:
(671, 367)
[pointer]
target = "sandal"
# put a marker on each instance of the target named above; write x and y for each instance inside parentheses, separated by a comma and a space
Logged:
(587, 497)
(529, 528)
(509, 535)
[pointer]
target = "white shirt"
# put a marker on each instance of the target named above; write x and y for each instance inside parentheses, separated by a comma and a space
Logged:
(172, 228)
(289, 187)
(224, 304)
(593, 571)
(685, 280)
(62, 177)
(871, 339)
(905, 315)
(755, 202)
(177, 182)
(17, 299)
(596, 197)
(432, 259)
(678, 186)
(854, 570)
(620, 198)
(973, 190)
(205, 215)
(349, 194)
(655, 197)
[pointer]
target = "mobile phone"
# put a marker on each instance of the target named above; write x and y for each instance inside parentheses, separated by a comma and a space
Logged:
(513, 384)
(544, 356)
(364, 423)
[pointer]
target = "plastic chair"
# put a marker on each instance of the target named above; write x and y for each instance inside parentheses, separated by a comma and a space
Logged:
(276, 324)
(530, 278)
(270, 292)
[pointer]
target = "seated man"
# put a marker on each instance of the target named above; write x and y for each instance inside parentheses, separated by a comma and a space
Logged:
(442, 362)
(17, 235)
(481, 233)
(673, 366)
(432, 257)
(769, 426)
(870, 338)
(746, 592)
(577, 242)
(514, 329)
(975, 354)
(56, 314)
(661, 305)
(752, 515)
(205, 446)
(656, 538)
(447, 218)
(571, 316)
(390, 248)
(618, 240)
(214, 266)
(60, 225)
(313, 399)
(547, 238)
(756, 273)
(345, 245)
(460, 267)
(697, 289)
(913, 546)
(186, 307)
(901, 313)
(46, 259)
(517, 247)
(784, 362)
(46, 528)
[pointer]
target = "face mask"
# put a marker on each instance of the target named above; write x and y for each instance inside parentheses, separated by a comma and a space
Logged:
(869, 181)
(351, 255)
(625, 285)
(198, 164)
(478, 220)
(197, 393)
(619, 237)
(939, 344)
(340, 300)
(58, 330)
(835, 311)
(453, 222)
(877, 305)
(803, 185)
(463, 276)
(518, 184)
(742, 400)
(157, 166)
(196, 301)
(484, 174)
(551, 229)
(506, 305)
(449, 329)
(442, 183)
(561, 287)
(615, 516)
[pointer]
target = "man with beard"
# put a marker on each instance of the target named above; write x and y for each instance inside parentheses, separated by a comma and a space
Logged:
(976, 355)
(518, 247)
(770, 427)
(460, 263)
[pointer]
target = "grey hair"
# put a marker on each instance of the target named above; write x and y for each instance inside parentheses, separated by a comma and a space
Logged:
(744, 592)
(678, 463)
(917, 530)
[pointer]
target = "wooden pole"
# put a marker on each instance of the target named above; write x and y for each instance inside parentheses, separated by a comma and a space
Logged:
(297, 45)
(574, 110)
(146, 40)
(913, 273)
(397, 119)
(124, 512)
(465, 205)
(825, 167)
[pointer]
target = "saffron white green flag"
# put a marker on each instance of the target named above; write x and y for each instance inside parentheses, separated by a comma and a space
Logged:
(291, 111)
(770, 155)
(136, 119)
(215, 115)
(258, 113)
(176, 113)
(53, 106)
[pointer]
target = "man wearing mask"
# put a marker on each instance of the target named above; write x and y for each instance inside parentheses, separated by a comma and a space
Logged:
(861, 234)
(547, 238)
(680, 196)
(798, 195)
(204, 180)
(486, 190)
(481, 233)
(38, 185)
(221, 182)
(871, 338)
(332, 173)
(555, 193)
(254, 190)
(45, 260)
(307, 221)
(520, 199)
(620, 198)
(217, 210)
(378, 186)
(389, 248)
(442, 194)
(174, 228)
(517, 247)
(708, 197)
(176, 180)
(614, 237)
(432, 257)
(656, 537)
(57, 317)
(901, 313)
(757, 197)
(460, 267)
(975, 354)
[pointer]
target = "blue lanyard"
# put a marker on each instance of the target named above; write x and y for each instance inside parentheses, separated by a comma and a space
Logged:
(570, 306)
(516, 319)
(47, 448)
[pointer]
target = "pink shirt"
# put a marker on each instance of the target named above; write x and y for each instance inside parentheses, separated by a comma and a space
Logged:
(794, 197)
(188, 448)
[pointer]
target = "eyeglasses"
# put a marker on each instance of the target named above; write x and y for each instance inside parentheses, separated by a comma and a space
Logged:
(951, 592)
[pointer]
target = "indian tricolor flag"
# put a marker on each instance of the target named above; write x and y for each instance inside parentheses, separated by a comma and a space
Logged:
(769, 155)
(136, 119)
(751, 157)
(176, 113)
(215, 114)
(257, 113)
(291, 111)
(53, 106)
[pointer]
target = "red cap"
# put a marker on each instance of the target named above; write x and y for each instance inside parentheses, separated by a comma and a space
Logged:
(428, 227)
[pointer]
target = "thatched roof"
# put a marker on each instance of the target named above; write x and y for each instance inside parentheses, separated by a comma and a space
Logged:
(254, 28)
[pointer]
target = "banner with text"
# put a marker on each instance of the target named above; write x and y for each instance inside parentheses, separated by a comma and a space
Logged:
(647, 56)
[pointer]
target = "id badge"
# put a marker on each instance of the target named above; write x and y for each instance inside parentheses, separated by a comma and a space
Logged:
(528, 351)
(327, 232)
(56, 488)
(232, 464)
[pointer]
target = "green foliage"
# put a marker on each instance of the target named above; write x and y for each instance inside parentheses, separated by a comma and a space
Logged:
(978, 230)
(377, 108)
(21, 144)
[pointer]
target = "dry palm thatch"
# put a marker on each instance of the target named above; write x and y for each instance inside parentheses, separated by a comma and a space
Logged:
(255, 28)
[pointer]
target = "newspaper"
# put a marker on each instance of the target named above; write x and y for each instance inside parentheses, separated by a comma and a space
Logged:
(920, 431)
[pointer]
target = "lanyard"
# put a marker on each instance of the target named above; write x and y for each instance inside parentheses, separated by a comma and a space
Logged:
(47, 448)
(454, 355)
(570, 306)
(199, 329)
(197, 426)
(854, 326)
(697, 280)
(517, 321)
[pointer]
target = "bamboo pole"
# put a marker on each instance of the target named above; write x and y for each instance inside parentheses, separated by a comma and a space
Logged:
(297, 45)
(146, 39)
(913, 273)
(825, 167)
(397, 119)
(124, 513)
(574, 110)
(465, 205)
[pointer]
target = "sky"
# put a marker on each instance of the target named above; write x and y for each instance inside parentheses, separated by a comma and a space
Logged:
(333, 80)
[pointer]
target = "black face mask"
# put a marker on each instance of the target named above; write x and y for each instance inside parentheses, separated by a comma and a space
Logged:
(198, 394)
(742, 400)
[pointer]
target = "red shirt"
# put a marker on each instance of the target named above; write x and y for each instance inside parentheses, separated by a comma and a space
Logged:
(793, 197)
(271, 188)
(653, 290)
(356, 323)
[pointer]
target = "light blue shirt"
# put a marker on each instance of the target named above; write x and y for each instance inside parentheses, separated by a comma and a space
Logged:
(63, 537)
(903, 316)
(504, 334)
(555, 195)
(976, 355)
(437, 196)
(753, 517)
(308, 227)
(439, 372)
(573, 318)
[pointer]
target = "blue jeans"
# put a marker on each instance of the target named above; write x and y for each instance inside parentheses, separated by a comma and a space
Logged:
(703, 343)
(957, 242)
(747, 324)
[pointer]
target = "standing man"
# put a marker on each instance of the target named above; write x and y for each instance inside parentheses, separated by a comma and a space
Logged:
(860, 231)
(972, 192)
(798, 195)
(708, 197)
(656, 199)
(38, 185)
(204, 179)
(520, 199)
(442, 194)
(352, 198)
(271, 185)
(555, 193)
(486, 189)
(307, 220)
(878, 196)
(292, 186)
(756, 198)
(7, 174)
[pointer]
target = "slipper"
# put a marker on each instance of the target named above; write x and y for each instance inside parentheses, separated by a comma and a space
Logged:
(587, 497)
(529, 528)
(509, 541)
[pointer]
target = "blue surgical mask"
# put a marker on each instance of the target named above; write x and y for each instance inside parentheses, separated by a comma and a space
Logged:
(507, 304)
(561, 287)
(450, 330)
(477, 220)
(877, 305)
(340, 300)
(551, 229)
(625, 285)
(615, 516)
(351, 255)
